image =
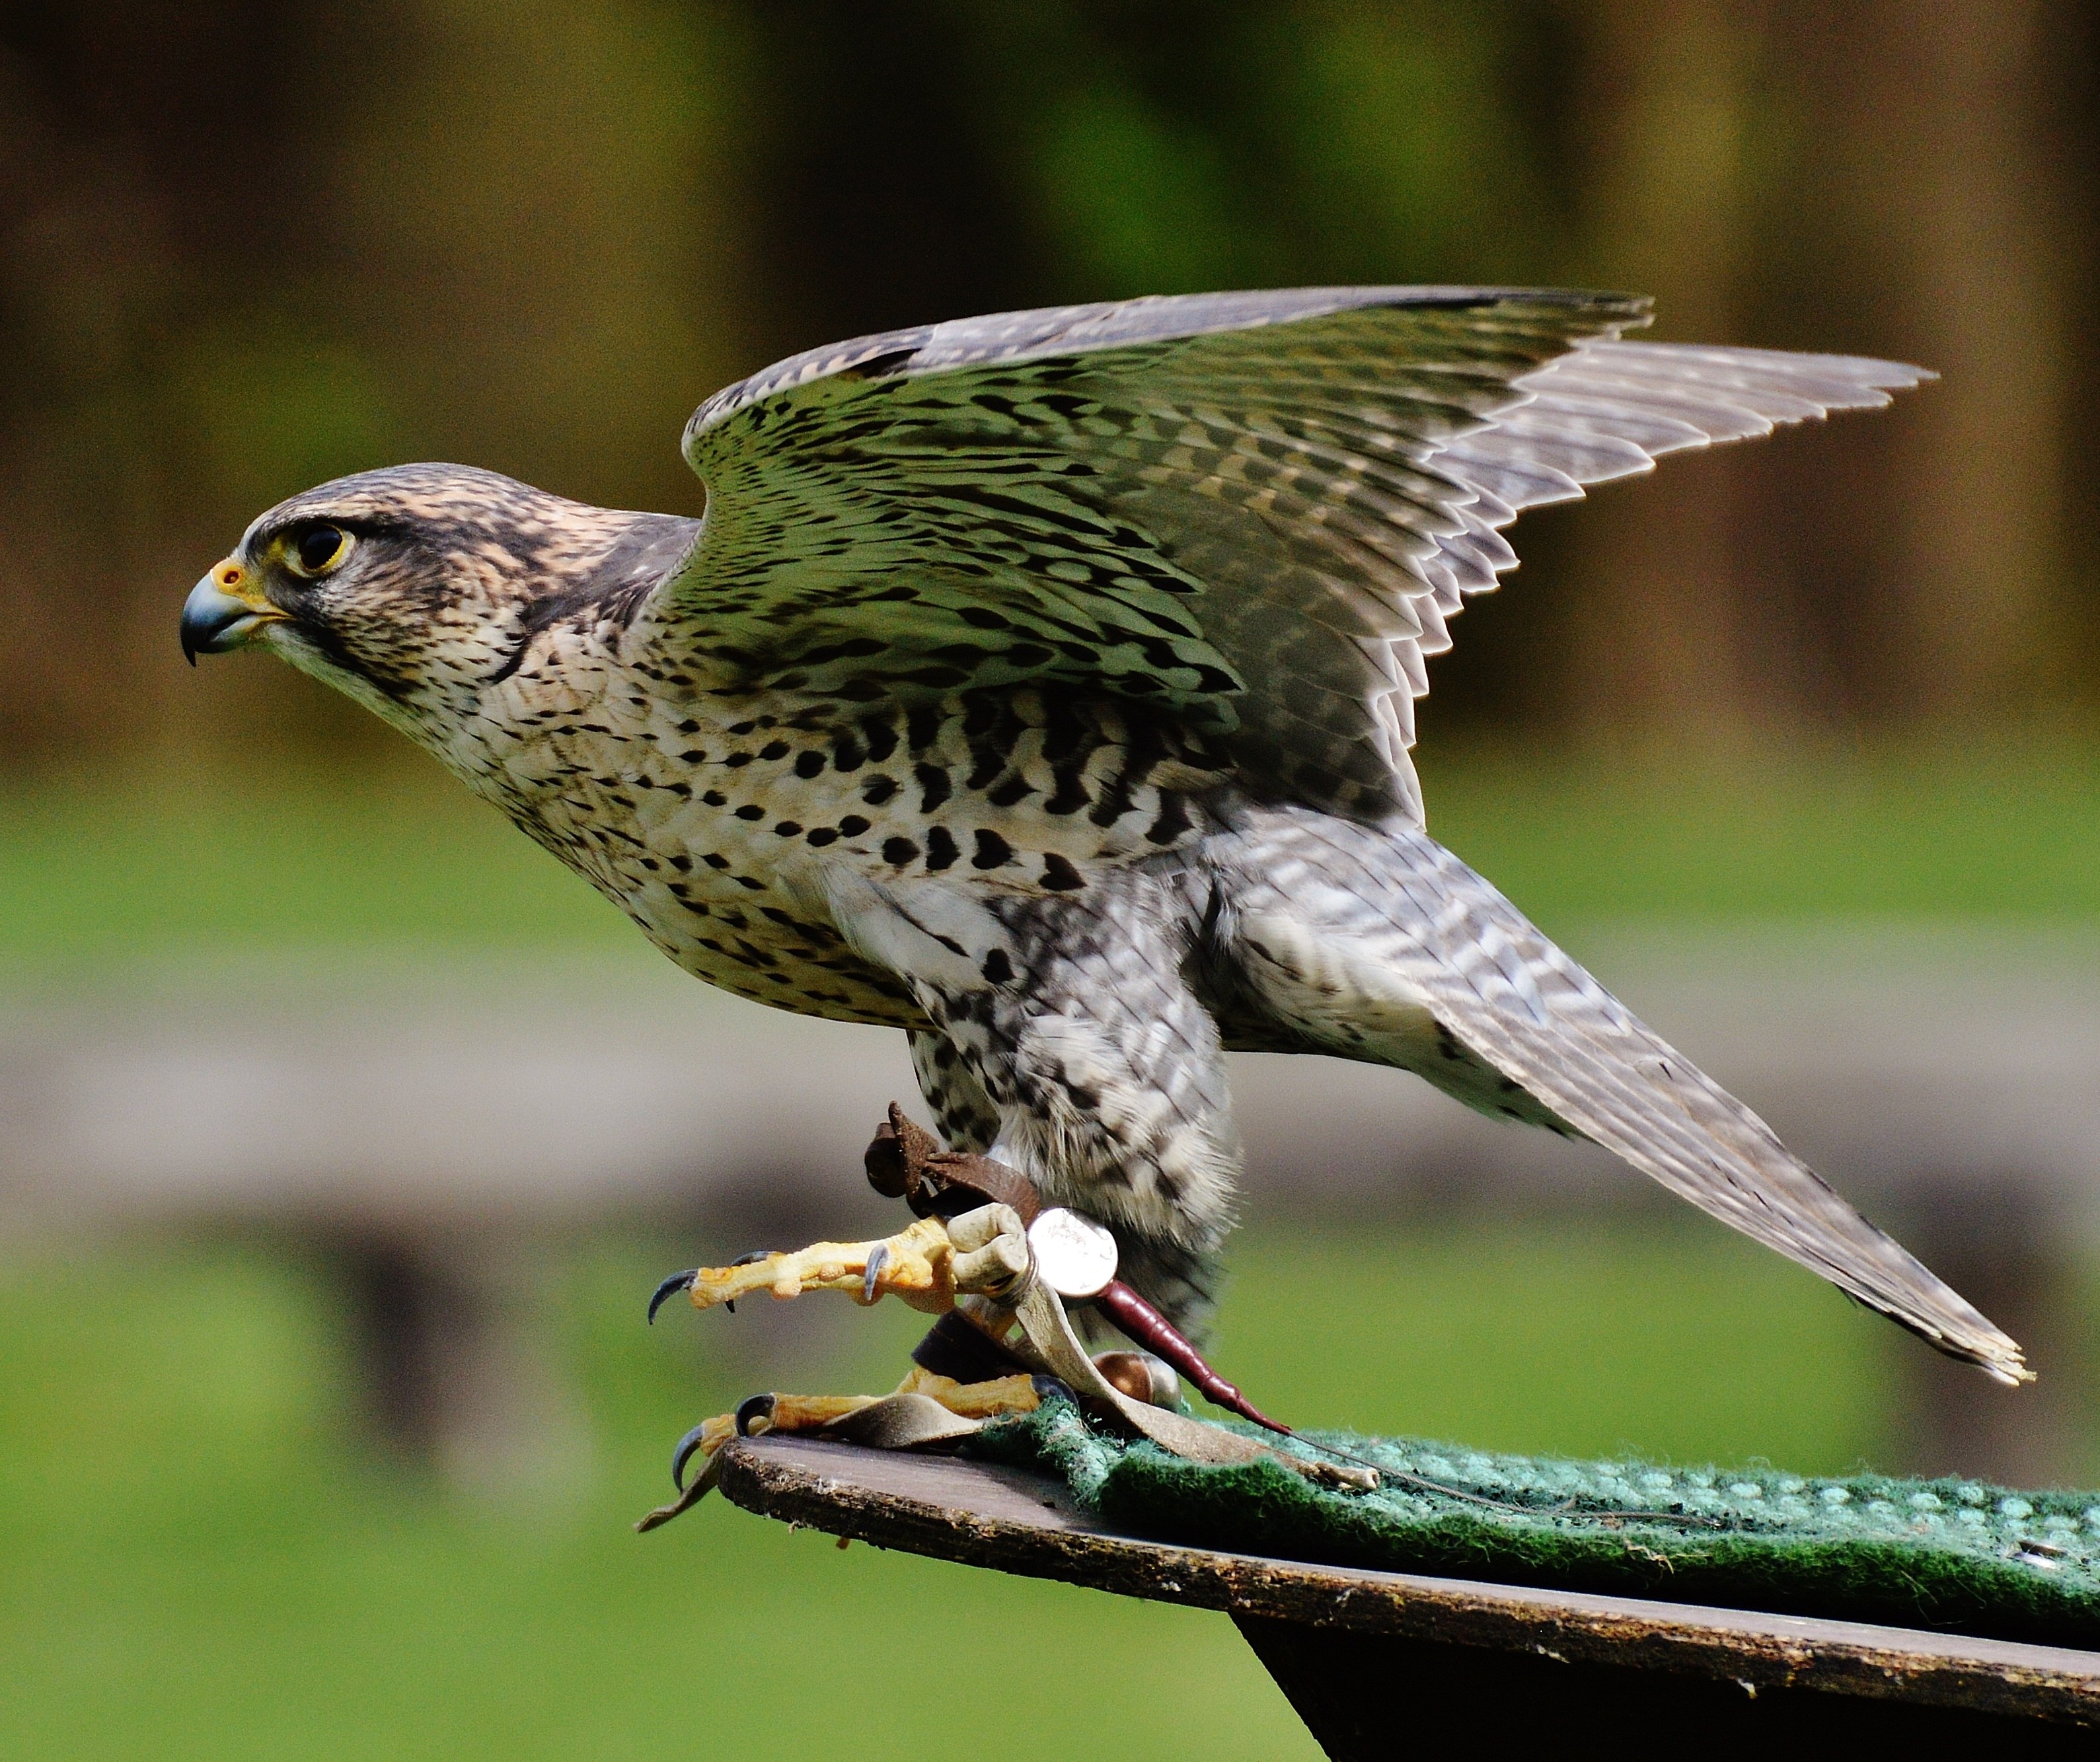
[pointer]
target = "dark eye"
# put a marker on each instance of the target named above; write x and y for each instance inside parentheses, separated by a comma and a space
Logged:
(318, 549)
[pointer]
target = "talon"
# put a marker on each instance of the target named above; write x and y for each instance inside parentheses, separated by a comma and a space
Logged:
(678, 1281)
(876, 1262)
(1049, 1389)
(754, 1416)
(682, 1454)
(688, 1497)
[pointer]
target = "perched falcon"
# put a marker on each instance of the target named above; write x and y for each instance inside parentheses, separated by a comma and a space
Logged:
(1042, 685)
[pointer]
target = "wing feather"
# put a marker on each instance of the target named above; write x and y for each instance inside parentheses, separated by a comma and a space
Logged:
(1382, 945)
(1256, 511)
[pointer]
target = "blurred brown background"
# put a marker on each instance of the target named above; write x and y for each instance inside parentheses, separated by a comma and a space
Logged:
(245, 247)
(341, 1135)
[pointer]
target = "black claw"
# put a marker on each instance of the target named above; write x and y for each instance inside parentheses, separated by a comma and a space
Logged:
(1049, 1389)
(753, 1409)
(678, 1281)
(683, 1454)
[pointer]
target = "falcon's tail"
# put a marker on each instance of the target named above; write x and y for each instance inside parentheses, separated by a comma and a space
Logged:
(1383, 946)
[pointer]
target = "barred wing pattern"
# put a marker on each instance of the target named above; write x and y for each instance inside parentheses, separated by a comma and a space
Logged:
(1257, 511)
(1359, 936)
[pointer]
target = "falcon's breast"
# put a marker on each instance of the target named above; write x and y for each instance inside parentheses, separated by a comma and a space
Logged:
(711, 821)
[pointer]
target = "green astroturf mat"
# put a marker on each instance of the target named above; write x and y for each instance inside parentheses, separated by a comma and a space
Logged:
(1951, 1555)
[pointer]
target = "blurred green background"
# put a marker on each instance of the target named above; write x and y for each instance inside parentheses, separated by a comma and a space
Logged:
(1848, 677)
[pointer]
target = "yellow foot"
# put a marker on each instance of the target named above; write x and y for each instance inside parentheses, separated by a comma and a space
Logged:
(982, 1257)
(916, 1265)
(925, 1265)
(923, 1409)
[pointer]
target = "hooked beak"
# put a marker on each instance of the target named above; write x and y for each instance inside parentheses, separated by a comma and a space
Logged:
(223, 611)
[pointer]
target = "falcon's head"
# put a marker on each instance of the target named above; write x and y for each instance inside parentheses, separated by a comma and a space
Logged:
(416, 589)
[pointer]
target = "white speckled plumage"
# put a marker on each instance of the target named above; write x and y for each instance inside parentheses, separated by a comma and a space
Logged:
(1042, 685)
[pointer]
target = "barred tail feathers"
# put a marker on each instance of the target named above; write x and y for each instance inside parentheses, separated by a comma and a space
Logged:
(1381, 945)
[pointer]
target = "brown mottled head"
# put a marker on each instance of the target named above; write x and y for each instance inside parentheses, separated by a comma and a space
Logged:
(417, 589)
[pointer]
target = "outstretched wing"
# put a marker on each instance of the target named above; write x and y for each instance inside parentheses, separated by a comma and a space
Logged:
(1257, 510)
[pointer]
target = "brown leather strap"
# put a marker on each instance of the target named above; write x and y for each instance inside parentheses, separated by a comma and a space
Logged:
(973, 1181)
(906, 1162)
(902, 1422)
(896, 1157)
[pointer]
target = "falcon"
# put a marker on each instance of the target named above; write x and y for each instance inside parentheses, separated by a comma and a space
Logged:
(1043, 684)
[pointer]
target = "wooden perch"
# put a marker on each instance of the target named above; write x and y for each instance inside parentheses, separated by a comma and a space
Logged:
(1379, 1663)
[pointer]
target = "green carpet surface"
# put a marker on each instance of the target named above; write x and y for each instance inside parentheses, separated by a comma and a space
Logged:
(1955, 1556)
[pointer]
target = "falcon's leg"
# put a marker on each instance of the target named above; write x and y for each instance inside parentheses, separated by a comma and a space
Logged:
(982, 1254)
(962, 1114)
(1069, 1045)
